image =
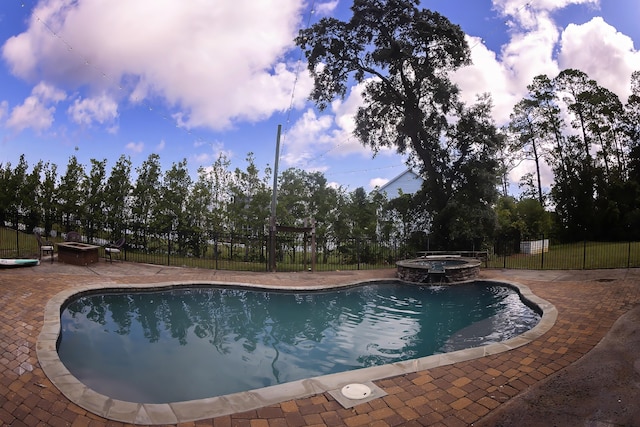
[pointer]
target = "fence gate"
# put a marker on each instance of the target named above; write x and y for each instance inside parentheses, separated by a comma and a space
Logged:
(273, 233)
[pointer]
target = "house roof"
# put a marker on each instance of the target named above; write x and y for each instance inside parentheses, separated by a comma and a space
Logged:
(407, 174)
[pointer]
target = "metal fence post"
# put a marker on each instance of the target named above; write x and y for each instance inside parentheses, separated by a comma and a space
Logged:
(169, 246)
(215, 250)
(504, 257)
(18, 234)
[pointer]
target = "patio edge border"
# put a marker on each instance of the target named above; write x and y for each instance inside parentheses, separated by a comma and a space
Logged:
(177, 412)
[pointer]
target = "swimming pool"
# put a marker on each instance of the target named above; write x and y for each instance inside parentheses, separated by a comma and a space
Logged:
(410, 359)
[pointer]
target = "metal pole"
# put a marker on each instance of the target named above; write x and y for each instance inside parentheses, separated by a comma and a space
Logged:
(542, 258)
(313, 245)
(274, 199)
(18, 235)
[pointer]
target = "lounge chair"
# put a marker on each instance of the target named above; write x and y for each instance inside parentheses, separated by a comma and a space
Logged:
(115, 249)
(45, 246)
(73, 236)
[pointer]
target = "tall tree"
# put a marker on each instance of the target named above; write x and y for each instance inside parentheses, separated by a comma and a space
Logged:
(251, 198)
(466, 218)
(29, 195)
(401, 56)
(405, 217)
(14, 189)
(175, 191)
(20, 193)
(117, 197)
(7, 193)
(145, 197)
(71, 198)
(93, 188)
(526, 139)
(604, 122)
(199, 212)
(219, 181)
(249, 208)
(573, 85)
(551, 123)
(362, 212)
(47, 197)
(294, 196)
(631, 125)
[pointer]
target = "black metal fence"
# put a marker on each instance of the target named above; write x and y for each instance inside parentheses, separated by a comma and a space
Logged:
(222, 250)
(250, 252)
(546, 253)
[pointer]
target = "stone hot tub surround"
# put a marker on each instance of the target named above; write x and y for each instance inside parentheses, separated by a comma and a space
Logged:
(438, 269)
(77, 253)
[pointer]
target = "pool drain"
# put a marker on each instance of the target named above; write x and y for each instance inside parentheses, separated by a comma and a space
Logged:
(356, 391)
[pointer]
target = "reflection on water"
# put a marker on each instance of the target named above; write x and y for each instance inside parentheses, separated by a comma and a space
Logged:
(192, 343)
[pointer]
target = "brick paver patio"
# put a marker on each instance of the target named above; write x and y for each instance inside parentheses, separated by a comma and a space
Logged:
(588, 302)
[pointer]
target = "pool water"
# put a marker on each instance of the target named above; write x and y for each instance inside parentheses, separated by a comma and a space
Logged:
(205, 341)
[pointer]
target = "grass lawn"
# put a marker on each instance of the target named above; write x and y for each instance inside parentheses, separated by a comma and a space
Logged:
(581, 255)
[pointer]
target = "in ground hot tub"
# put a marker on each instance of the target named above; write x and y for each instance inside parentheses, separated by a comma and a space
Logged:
(77, 253)
(438, 269)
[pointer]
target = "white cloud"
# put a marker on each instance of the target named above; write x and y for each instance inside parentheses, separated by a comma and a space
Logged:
(506, 74)
(199, 143)
(486, 74)
(213, 151)
(215, 63)
(377, 182)
(326, 8)
(101, 109)
(335, 185)
(308, 136)
(4, 109)
(606, 55)
(531, 53)
(135, 147)
(537, 45)
(37, 110)
(161, 145)
(546, 173)
(524, 14)
(316, 138)
(48, 93)
(218, 150)
(201, 158)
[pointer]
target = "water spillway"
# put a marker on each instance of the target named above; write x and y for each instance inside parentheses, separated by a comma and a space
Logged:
(438, 269)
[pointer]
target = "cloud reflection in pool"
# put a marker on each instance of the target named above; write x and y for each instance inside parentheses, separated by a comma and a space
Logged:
(198, 342)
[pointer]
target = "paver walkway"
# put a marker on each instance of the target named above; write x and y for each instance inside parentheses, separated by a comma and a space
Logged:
(589, 302)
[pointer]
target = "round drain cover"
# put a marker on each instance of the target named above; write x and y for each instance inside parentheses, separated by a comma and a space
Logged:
(356, 391)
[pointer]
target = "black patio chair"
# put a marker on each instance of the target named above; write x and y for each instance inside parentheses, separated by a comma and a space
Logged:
(45, 247)
(115, 249)
(73, 236)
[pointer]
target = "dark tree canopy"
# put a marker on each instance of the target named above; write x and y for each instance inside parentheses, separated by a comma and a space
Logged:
(402, 56)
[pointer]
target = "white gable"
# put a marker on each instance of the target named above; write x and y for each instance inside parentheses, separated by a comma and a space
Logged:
(408, 181)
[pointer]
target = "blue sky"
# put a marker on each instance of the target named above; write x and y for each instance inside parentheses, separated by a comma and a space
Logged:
(193, 79)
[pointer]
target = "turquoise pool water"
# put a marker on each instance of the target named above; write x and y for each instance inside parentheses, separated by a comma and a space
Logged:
(204, 341)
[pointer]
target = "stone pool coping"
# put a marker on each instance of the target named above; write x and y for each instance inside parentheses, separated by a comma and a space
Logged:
(178, 412)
